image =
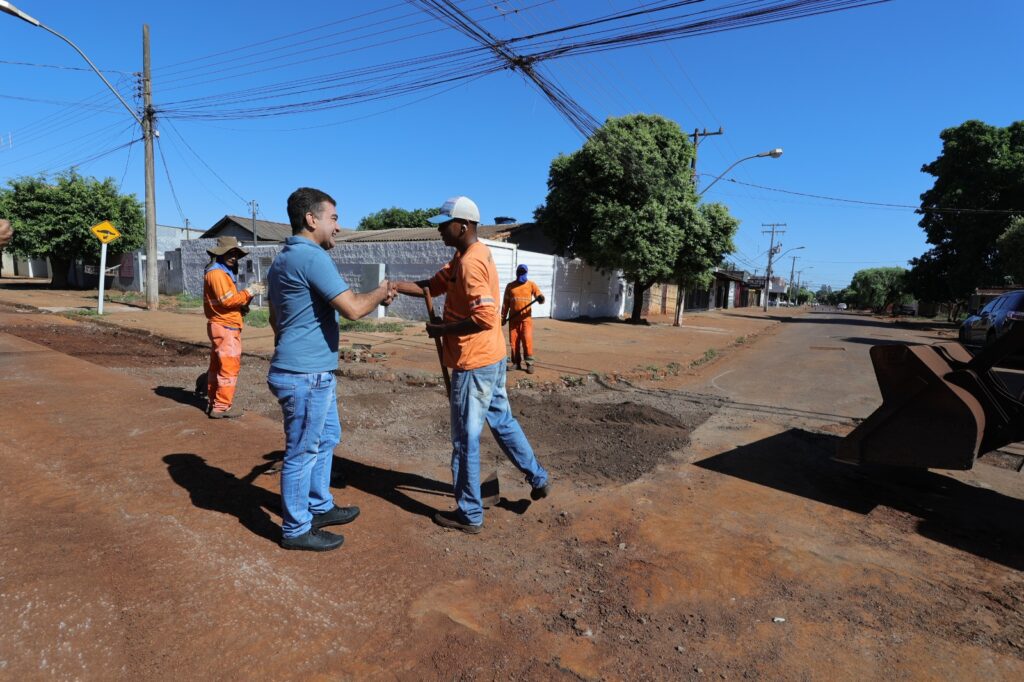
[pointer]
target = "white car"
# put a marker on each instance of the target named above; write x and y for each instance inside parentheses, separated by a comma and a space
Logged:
(841, 306)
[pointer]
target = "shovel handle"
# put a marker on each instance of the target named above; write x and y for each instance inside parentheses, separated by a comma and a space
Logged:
(519, 312)
(437, 342)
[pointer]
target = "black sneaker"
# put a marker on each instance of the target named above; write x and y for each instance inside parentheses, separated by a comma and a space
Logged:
(454, 520)
(335, 517)
(314, 541)
(541, 492)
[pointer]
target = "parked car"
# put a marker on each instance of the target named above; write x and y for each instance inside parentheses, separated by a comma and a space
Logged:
(841, 306)
(994, 319)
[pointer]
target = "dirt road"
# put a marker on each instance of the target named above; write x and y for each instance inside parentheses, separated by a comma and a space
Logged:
(695, 531)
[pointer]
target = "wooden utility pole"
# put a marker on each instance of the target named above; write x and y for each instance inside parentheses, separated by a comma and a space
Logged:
(792, 274)
(773, 228)
(148, 132)
(697, 136)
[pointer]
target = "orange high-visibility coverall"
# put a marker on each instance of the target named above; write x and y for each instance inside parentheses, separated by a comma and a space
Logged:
(516, 308)
(223, 303)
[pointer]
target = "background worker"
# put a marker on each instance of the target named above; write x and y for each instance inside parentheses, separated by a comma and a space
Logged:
(224, 305)
(475, 350)
(516, 310)
(306, 295)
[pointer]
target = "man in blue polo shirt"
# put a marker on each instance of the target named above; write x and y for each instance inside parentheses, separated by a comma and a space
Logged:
(306, 295)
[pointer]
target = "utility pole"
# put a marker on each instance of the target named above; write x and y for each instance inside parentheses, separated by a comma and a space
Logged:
(697, 136)
(255, 243)
(188, 233)
(148, 133)
(774, 229)
(792, 274)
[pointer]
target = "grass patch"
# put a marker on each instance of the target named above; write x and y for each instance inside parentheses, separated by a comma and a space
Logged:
(370, 326)
(709, 355)
(740, 340)
(186, 300)
(82, 312)
(673, 368)
(258, 317)
(573, 381)
(125, 297)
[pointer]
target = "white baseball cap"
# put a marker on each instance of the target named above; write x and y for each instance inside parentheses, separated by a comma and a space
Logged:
(457, 207)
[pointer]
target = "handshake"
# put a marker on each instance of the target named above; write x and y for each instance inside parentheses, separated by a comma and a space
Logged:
(389, 290)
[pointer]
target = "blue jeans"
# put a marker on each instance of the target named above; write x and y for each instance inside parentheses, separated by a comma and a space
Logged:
(479, 394)
(311, 431)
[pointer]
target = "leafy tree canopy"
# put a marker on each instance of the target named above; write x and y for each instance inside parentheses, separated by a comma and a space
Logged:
(980, 167)
(52, 219)
(877, 288)
(625, 200)
(1011, 251)
(387, 218)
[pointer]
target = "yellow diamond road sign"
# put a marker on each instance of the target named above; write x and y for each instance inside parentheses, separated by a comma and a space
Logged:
(105, 232)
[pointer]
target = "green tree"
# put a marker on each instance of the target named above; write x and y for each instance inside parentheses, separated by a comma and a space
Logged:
(625, 200)
(877, 288)
(52, 219)
(387, 218)
(1011, 250)
(980, 167)
(707, 237)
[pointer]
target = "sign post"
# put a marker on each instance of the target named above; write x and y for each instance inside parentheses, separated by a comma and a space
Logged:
(106, 233)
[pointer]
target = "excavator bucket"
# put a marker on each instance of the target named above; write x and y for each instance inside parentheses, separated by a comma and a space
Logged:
(941, 408)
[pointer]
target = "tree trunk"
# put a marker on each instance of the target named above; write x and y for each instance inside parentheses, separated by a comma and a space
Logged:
(638, 300)
(680, 303)
(59, 272)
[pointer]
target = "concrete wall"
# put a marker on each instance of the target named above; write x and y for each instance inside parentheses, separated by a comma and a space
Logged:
(572, 287)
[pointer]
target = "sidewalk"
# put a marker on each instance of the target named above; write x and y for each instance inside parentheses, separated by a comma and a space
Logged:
(566, 351)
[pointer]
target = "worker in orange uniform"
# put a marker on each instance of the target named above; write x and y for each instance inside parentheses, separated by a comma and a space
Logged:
(224, 305)
(516, 311)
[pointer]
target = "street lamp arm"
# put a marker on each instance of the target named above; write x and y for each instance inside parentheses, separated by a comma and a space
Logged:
(774, 153)
(98, 72)
(8, 8)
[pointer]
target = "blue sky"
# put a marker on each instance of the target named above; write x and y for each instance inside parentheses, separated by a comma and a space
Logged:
(857, 100)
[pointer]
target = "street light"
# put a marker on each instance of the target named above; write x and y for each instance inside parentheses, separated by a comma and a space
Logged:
(152, 282)
(768, 274)
(773, 153)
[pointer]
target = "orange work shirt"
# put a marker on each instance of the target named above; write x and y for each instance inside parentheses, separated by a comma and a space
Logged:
(516, 305)
(222, 301)
(470, 284)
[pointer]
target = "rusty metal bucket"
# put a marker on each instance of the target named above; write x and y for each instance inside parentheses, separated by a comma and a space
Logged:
(941, 408)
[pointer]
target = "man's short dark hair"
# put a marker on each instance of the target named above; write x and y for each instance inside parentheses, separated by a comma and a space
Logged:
(302, 201)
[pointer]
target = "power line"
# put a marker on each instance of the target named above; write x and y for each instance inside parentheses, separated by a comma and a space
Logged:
(196, 154)
(919, 209)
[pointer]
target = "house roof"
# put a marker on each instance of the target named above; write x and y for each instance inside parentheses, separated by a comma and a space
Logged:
(265, 229)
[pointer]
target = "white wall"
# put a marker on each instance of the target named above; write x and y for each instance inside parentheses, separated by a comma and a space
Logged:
(584, 291)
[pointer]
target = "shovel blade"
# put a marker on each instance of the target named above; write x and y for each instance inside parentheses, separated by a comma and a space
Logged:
(490, 491)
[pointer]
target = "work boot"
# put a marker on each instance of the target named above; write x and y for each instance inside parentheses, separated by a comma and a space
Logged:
(335, 517)
(315, 540)
(529, 368)
(454, 520)
(541, 492)
(230, 413)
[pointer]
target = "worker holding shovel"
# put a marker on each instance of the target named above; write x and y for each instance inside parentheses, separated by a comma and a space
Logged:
(516, 310)
(474, 349)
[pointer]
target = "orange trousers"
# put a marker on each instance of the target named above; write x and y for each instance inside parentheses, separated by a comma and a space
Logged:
(520, 336)
(225, 363)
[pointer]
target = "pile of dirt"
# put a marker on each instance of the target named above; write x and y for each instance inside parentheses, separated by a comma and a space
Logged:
(600, 443)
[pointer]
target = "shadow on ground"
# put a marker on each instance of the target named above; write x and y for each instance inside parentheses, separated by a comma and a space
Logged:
(394, 486)
(221, 491)
(854, 319)
(983, 522)
(181, 395)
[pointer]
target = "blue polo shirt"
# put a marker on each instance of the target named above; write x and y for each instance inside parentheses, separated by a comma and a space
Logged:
(301, 283)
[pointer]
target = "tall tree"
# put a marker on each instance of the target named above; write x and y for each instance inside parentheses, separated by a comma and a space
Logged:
(980, 167)
(877, 288)
(387, 218)
(52, 219)
(707, 238)
(1011, 251)
(624, 200)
